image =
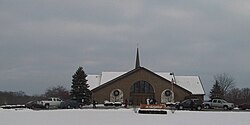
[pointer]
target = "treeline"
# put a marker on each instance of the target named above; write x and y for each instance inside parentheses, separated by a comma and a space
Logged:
(13, 98)
(238, 96)
(79, 92)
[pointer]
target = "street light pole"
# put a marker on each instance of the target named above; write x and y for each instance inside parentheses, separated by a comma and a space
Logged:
(172, 84)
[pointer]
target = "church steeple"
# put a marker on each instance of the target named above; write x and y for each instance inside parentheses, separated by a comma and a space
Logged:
(137, 64)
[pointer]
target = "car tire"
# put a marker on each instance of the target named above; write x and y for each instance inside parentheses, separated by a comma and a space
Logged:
(181, 107)
(207, 106)
(225, 107)
(80, 106)
(46, 106)
(198, 108)
(68, 107)
(32, 107)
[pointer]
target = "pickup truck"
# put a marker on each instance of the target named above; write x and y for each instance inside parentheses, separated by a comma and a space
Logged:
(218, 103)
(50, 103)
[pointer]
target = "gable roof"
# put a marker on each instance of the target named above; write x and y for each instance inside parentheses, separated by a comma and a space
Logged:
(93, 81)
(189, 83)
(112, 77)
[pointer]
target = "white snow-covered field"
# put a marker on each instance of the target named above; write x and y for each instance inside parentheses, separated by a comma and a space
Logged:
(119, 117)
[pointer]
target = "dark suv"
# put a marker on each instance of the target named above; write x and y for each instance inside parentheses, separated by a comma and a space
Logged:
(192, 104)
(69, 104)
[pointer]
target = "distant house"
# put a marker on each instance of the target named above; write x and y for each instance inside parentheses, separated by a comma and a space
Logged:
(140, 84)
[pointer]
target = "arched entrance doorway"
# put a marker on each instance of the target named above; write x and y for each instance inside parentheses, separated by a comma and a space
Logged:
(140, 91)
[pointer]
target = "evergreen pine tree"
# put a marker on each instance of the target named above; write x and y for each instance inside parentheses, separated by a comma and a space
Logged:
(80, 91)
(216, 91)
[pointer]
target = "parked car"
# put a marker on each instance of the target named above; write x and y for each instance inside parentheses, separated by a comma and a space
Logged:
(34, 105)
(244, 106)
(69, 104)
(50, 103)
(192, 104)
(218, 103)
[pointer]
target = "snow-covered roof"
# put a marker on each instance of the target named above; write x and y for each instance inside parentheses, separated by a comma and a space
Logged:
(97, 80)
(107, 76)
(93, 81)
(165, 75)
(190, 83)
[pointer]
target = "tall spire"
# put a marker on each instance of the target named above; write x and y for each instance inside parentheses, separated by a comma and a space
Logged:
(137, 65)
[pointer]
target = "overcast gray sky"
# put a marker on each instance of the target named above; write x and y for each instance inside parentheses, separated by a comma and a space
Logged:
(43, 42)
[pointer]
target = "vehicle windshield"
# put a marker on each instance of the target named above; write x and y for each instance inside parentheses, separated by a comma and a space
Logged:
(197, 101)
(223, 101)
(184, 101)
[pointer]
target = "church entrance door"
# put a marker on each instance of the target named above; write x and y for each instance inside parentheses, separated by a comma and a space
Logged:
(140, 92)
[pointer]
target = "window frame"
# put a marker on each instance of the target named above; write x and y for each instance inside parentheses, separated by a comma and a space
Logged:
(141, 87)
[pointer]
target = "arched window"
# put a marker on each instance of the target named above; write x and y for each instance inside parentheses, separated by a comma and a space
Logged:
(141, 87)
(167, 96)
(116, 95)
(140, 91)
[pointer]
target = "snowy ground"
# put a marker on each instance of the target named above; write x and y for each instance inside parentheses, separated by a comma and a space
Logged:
(119, 117)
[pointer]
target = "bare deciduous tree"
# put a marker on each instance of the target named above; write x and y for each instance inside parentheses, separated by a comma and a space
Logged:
(238, 96)
(58, 91)
(246, 94)
(234, 95)
(225, 81)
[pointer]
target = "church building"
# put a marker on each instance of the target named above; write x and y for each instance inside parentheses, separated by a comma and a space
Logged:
(140, 83)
